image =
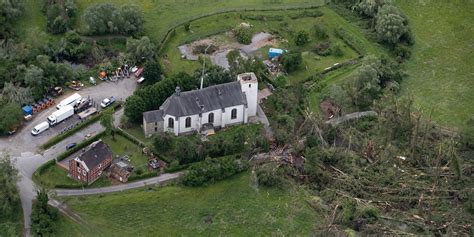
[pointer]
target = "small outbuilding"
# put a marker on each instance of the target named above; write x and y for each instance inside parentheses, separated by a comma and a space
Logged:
(274, 52)
(121, 170)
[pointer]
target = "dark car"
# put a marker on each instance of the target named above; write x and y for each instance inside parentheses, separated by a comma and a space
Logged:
(70, 145)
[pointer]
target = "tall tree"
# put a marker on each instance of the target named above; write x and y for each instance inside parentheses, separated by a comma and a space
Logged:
(8, 192)
(10, 117)
(107, 121)
(390, 24)
(43, 216)
(152, 72)
(140, 49)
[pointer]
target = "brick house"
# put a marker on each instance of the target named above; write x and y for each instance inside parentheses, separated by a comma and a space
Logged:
(88, 166)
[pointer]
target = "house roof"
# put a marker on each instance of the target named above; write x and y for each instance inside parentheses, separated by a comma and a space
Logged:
(96, 153)
(153, 116)
(201, 101)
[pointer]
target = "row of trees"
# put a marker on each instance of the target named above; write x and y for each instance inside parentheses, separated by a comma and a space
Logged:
(213, 169)
(108, 19)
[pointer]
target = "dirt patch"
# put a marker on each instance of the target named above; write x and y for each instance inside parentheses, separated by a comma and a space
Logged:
(330, 111)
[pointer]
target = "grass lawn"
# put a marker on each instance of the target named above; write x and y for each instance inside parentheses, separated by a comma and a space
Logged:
(121, 146)
(231, 208)
(441, 68)
(287, 27)
(56, 175)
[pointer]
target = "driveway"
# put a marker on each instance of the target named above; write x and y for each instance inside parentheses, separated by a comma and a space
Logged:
(23, 147)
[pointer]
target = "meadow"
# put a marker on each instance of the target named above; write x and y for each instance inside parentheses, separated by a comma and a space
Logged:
(248, 210)
(441, 68)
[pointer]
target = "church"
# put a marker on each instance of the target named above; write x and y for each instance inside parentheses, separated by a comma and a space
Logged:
(215, 106)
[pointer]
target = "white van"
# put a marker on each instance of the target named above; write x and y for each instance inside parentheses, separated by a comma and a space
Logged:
(40, 128)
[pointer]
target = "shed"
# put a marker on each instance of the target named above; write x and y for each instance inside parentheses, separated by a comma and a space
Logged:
(273, 52)
(27, 110)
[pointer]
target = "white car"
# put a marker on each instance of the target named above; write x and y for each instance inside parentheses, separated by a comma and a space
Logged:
(133, 69)
(140, 80)
(107, 101)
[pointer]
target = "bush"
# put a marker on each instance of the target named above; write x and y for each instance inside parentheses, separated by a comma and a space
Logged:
(262, 143)
(163, 142)
(280, 81)
(302, 38)
(243, 34)
(323, 48)
(320, 32)
(291, 61)
(213, 169)
(337, 51)
(269, 175)
(402, 52)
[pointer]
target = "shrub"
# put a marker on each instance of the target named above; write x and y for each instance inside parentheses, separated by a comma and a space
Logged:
(280, 81)
(269, 175)
(402, 52)
(337, 51)
(302, 38)
(162, 142)
(323, 48)
(262, 143)
(213, 169)
(243, 34)
(320, 32)
(291, 61)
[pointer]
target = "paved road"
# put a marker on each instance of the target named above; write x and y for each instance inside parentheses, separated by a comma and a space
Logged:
(23, 148)
(162, 179)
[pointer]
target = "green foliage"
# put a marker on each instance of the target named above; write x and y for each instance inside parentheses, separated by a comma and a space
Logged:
(291, 61)
(214, 75)
(10, 117)
(140, 49)
(152, 72)
(302, 38)
(391, 24)
(243, 34)
(337, 51)
(163, 142)
(213, 169)
(320, 31)
(467, 136)
(323, 48)
(43, 216)
(151, 97)
(280, 82)
(269, 175)
(60, 15)
(107, 121)
(9, 198)
(105, 18)
(10, 10)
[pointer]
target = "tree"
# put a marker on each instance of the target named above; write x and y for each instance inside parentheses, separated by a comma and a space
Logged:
(366, 85)
(302, 38)
(214, 75)
(320, 31)
(107, 19)
(370, 7)
(140, 49)
(134, 107)
(152, 72)
(10, 10)
(10, 117)
(16, 94)
(43, 216)
(390, 24)
(9, 198)
(243, 34)
(107, 121)
(291, 61)
(163, 142)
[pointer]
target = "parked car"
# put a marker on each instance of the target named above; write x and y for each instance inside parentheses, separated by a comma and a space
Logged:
(154, 163)
(107, 102)
(139, 81)
(70, 145)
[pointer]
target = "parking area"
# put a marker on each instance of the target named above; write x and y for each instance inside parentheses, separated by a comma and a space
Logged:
(23, 141)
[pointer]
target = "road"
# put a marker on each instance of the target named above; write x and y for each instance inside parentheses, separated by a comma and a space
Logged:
(23, 148)
(162, 179)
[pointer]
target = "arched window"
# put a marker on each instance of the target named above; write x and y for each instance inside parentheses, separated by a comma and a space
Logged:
(233, 114)
(170, 123)
(188, 122)
(210, 118)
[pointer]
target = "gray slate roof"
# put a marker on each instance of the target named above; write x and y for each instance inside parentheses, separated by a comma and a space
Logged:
(95, 154)
(199, 101)
(153, 116)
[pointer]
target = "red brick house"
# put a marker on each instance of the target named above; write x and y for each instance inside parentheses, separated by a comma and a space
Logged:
(88, 166)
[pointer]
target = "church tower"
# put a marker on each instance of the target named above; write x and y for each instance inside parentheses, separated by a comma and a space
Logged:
(248, 82)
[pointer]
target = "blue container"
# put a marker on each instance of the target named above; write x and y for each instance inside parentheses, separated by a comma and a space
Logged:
(27, 110)
(273, 52)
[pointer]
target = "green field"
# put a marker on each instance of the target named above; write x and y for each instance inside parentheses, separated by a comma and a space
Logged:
(441, 70)
(231, 208)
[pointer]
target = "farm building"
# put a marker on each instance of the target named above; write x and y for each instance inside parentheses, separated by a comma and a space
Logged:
(88, 166)
(219, 106)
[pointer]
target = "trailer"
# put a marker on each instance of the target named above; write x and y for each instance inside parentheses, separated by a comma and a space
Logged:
(71, 100)
(86, 113)
(61, 115)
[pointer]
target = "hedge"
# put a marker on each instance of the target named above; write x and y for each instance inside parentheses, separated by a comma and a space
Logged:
(176, 168)
(129, 137)
(354, 43)
(142, 176)
(55, 140)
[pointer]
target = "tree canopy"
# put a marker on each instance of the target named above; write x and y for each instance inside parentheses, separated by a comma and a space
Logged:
(391, 24)
(105, 18)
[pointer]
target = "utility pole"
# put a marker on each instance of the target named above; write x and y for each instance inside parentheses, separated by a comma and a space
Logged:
(204, 65)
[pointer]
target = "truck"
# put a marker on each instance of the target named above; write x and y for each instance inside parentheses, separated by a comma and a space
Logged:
(40, 128)
(71, 100)
(86, 113)
(61, 115)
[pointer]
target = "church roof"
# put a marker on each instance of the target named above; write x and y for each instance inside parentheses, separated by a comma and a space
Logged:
(199, 101)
